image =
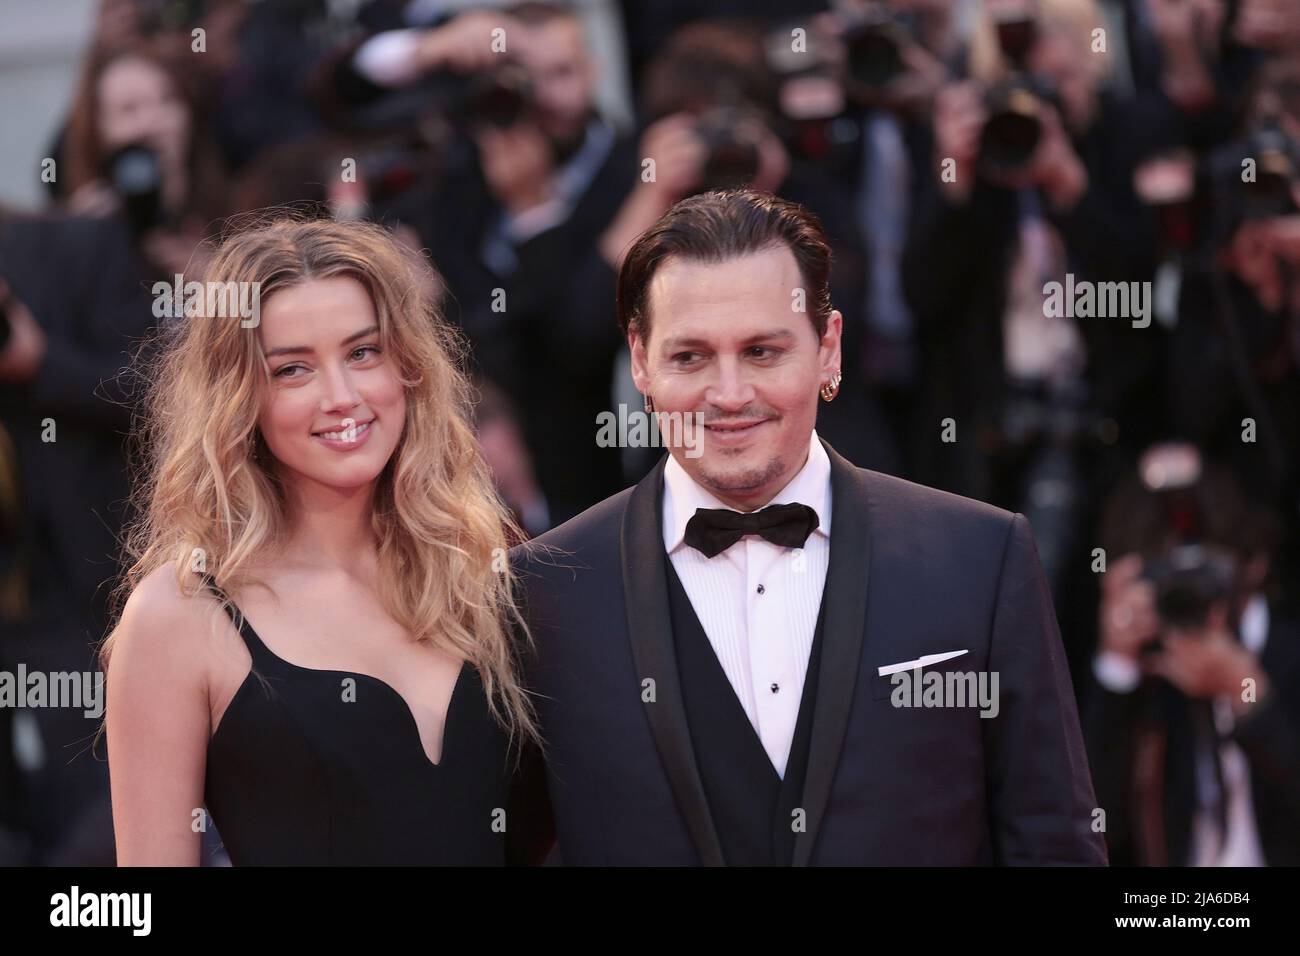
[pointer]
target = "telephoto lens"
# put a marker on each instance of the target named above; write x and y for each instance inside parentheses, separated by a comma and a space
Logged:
(731, 145)
(1014, 126)
(873, 48)
(136, 176)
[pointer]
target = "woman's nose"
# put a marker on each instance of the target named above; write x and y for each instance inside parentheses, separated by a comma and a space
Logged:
(340, 391)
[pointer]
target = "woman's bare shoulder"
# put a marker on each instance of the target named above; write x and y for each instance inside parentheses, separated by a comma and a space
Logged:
(161, 623)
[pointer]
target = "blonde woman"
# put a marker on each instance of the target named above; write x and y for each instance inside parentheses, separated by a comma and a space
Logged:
(317, 648)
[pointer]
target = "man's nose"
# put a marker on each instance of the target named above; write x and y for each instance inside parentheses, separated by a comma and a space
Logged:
(731, 389)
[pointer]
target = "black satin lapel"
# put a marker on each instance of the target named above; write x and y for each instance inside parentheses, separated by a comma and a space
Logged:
(846, 612)
(649, 625)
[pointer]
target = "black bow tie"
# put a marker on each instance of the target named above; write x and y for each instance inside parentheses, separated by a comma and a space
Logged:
(713, 530)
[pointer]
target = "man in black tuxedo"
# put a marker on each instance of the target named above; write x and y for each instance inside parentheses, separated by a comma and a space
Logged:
(710, 642)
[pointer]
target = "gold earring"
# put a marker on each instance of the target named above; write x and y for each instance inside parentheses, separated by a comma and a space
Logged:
(649, 403)
(831, 388)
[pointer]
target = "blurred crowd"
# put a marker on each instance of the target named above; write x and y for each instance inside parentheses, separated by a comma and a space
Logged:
(962, 155)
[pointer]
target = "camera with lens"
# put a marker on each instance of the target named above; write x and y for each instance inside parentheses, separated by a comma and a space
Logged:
(499, 98)
(731, 142)
(1014, 128)
(135, 174)
(1189, 580)
(810, 99)
(874, 41)
(1277, 172)
(1190, 566)
(1232, 198)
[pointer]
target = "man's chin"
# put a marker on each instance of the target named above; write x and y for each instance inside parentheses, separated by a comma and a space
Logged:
(738, 480)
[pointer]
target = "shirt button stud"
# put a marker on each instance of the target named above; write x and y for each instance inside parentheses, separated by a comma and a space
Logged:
(761, 589)
(775, 688)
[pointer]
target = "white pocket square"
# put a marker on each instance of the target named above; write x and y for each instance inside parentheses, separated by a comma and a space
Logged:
(919, 662)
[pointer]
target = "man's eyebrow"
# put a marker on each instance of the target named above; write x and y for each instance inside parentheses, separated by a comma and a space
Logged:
(677, 342)
(681, 341)
(295, 349)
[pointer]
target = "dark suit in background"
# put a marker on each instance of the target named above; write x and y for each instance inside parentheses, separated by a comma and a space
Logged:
(88, 292)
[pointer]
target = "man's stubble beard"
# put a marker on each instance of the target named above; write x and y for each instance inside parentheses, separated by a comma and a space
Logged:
(747, 480)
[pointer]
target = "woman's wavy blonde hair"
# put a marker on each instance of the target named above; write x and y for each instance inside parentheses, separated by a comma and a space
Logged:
(205, 488)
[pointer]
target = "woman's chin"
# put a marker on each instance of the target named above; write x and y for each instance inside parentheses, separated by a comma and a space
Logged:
(352, 477)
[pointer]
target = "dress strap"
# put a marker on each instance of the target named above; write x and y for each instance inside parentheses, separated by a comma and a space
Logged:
(263, 659)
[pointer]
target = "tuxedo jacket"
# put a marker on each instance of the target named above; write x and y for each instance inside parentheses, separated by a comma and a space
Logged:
(86, 288)
(913, 571)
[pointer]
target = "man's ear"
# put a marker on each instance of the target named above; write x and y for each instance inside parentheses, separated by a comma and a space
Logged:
(829, 350)
(640, 366)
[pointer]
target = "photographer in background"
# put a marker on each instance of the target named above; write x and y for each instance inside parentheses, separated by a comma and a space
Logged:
(1031, 182)
(137, 149)
(75, 311)
(1234, 354)
(863, 118)
(528, 179)
(1193, 722)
